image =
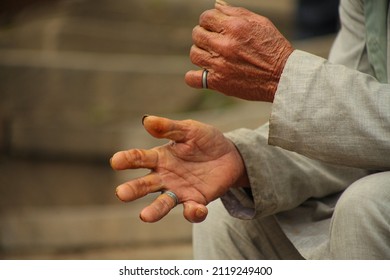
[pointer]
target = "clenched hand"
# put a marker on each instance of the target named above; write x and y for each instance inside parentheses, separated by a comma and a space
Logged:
(244, 53)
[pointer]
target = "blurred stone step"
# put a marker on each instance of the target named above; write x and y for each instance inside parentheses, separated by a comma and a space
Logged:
(33, 183)
(156, 27)
(172, 10)
(105, 26)
(99, 35)
(165, 251)
(65, 229)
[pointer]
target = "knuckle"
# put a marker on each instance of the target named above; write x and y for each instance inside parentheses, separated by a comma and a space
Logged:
(265, 20)
(142, 184)
(167, 203)
(228, 48)
(162, 205)
(130, 191)
(194, 55)
(238, 26)
(135, 157)
(205, 16)
(195, 31)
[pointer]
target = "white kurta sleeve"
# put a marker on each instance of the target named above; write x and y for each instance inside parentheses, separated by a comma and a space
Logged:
(332, 113)
(281, 180)
(335, 110)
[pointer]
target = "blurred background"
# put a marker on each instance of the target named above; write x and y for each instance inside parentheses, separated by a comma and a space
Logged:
(76, 77)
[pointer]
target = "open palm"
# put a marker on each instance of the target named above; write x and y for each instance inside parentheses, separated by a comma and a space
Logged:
(199, 165)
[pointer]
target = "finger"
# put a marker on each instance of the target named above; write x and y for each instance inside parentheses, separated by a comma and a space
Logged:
(159, 208)
(213, 20)
(200, 57)
(206, 40)
(193, 78)
(165, 128)
(194, 212)
(135, 158)
(139, 187)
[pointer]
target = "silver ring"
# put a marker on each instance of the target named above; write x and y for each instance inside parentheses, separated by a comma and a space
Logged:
(172, 195)
(204, 78)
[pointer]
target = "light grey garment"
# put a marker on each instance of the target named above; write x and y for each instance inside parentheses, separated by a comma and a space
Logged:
(331, 112)
(330, 126)
(359, 229)
(299, 191)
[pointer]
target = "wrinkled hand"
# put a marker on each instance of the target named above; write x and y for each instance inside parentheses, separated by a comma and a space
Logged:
(199, 165)
(244, 53)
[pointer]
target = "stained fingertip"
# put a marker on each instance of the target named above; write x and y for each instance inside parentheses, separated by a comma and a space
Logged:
(158, 209)
(194, 212)
(201, 213)
(113, 161)
(142, 218)
(149, 121)
(117, 161)
(165, 128)
(144, 117)
(117, 195)
(120, 194)
(149, 217)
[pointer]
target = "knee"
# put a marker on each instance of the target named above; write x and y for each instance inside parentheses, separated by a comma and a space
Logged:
(367, 196)
(361, 221)
(212, 238)
(217, 223)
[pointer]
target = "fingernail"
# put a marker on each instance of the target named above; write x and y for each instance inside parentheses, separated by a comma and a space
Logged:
(117, 195)
(200, 213)
(223, 3)
(143, 118)
(142, 219)
(111, 161)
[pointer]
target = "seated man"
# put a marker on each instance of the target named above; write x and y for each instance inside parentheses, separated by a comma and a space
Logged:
(312, 183)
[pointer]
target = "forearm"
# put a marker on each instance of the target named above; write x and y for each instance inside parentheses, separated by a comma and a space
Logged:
(281, 180)
(332, 113)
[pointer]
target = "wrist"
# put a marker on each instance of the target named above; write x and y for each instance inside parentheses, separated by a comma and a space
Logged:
(278, 70)
(242, 179)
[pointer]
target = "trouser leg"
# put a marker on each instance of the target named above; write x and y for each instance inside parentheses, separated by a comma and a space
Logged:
(222, 237)
(360, 227)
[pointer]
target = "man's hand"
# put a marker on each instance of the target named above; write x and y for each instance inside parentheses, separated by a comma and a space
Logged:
(244, 53)
(199, 165)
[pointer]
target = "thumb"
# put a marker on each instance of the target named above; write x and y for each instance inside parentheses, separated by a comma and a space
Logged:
(221, 2)
(165, 128)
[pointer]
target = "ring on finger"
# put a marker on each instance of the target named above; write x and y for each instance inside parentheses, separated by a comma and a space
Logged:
(204, 78)
(173, 196)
